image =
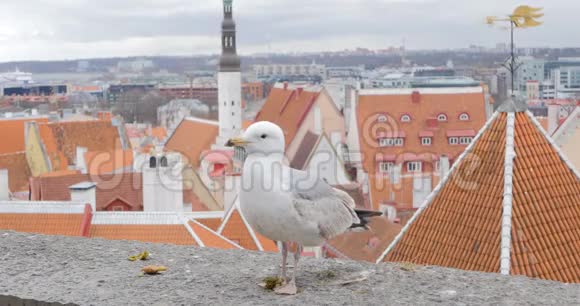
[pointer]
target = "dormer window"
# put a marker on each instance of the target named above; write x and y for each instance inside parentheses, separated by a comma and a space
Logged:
(464, 117)
(405, 118)
(442, 118)
(382, 118)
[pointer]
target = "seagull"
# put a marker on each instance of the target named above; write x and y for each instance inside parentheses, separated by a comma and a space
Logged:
(289, 205)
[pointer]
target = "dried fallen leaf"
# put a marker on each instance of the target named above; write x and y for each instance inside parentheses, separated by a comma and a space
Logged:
(153, 270)
(361, 277)
(408, 266)
(141, 256)
(270, 283)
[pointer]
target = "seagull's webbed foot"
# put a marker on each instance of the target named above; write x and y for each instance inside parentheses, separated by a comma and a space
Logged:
(287, 289)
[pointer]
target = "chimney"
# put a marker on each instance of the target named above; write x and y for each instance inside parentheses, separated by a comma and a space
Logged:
(553, 117)
(163, 184)
(443, 166)
(416, 97)
(4, 187)
(85, 192)
(80, 161)
(299, 90)
(285, 85)
(34, 112)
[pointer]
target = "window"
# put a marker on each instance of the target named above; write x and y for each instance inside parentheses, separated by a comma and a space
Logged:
(465, 140)
(233, 103)
(437, 166)
(118, 208)
(442, 117)
(414, 166)
(386, 142)
(386, 167)
(453, 140)
(464, 117)
(405, 118)
(382, 119)
(426, 141)
(152, 162)
(399, 142)
(163, 161)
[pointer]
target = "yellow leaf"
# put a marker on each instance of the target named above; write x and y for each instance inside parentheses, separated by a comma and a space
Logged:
(153, 270)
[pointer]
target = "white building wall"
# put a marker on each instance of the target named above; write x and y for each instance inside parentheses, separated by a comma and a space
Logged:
(230, 105)
(327, 165)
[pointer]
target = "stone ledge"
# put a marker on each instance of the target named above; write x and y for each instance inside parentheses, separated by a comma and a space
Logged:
(51, 270)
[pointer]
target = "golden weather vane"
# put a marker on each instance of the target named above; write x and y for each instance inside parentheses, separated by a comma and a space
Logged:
(524, 16)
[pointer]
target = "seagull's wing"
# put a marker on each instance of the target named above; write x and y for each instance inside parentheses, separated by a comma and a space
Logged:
(316, 202)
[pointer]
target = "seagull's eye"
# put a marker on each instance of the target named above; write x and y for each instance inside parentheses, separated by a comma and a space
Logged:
(263, 136)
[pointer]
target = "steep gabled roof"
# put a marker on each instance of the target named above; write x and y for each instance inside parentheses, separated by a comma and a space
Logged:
(12, 133)
(95, 135)
(107, 162)
(510, 204)
(305, 149)
(287, 108)
(192, 137)
(236, 228)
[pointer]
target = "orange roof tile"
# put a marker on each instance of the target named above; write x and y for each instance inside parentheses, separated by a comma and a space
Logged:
(41, 223)
(12, 134)
(365, 245)
(460, 225)
(287, 108)
(210, 238)
(192, 137)
(108, 161)
(423, 112)
(158, 132)
(237, 230)
(213, 223)
(155, 233)
(18, 170)
(65, 137)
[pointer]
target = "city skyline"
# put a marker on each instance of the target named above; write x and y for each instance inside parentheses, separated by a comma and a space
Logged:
(65, 29)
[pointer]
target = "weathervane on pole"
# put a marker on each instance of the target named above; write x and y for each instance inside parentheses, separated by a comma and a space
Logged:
(523, 17)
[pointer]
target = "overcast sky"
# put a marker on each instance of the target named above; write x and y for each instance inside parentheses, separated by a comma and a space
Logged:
(70, 29)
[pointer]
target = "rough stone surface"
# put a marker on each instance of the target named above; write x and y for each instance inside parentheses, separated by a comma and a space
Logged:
(52, 269)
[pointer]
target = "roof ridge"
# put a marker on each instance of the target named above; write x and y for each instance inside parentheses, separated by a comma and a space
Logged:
(200, 120)
(554, 145)
(423, 91)
(215, 233)
(437, 189)
(563, 128)
(190, 230)
(506, 226)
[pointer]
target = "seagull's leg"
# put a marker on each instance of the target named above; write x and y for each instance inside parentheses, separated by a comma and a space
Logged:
(284, 261)
(290, 288)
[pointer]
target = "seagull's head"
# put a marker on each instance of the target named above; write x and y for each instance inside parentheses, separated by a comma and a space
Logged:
(261, 137)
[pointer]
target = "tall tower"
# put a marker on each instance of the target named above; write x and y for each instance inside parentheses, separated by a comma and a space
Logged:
(229, 80)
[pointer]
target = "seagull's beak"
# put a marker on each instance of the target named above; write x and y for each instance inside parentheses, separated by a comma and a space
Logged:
(236, 142)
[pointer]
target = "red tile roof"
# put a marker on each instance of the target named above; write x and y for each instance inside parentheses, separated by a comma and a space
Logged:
(365, 245)
(155, 233)
(192, 137)
(65, 137)
(18, 170)
(47, 220)
(287, 108)
(210, 238)
(105, 162)
(12, 134)
(461, 225)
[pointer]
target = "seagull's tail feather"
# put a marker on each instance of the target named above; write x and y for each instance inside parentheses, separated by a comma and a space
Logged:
(364, 216)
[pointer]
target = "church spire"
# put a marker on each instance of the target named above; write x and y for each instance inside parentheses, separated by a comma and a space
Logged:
(229, 60)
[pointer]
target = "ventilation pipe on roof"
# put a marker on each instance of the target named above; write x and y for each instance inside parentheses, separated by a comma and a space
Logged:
(4, 188)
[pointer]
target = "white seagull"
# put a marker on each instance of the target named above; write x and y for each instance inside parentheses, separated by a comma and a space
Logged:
(289, 205)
